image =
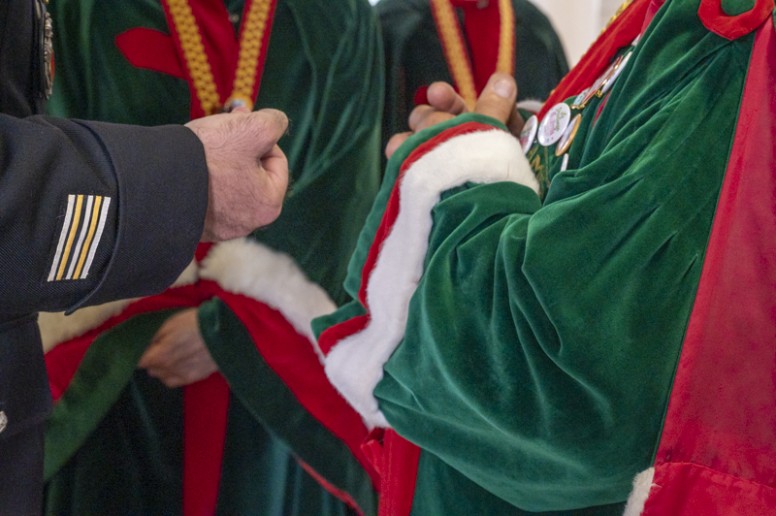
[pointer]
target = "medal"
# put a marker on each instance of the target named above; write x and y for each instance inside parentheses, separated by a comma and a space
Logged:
(568, 136)
(44, 35)
(564, 164)
(580, 98)
(615, 72)
(528, 134)
(554, 124)
(604, 83)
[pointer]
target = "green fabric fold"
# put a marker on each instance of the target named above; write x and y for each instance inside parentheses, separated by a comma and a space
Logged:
(105, 371)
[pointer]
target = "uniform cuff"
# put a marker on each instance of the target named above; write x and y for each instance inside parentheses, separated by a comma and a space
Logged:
(162, 181)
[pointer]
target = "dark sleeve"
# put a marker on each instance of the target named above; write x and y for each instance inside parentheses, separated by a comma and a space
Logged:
(94, 211)
(21, 62)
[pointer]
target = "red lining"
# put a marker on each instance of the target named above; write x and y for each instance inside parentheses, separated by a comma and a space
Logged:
(291, 356)
(205, 411)
(63, 361)
(599, 56)
(722, 411)
(397, 490)
(714, 18)
(151, 50)
(482, 35)
(339, 493)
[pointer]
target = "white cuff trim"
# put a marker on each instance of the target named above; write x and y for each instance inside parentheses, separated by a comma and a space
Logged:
(638, 497)
(355, 364)
(247, 267)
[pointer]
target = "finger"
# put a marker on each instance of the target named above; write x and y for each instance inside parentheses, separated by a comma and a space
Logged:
(170, 326)
(264, 128)
(443, 97)
(169, 380)
(149, 356)
(425, 116)
(164, 353)
(497, 99)
(417, 114)
(154, 356)
(515, 123)
(275, 161)
(395, 142)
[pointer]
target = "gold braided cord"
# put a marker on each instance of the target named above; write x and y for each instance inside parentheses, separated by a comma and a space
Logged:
(250, 48)
(506, 44)
(194, 54)
(251, 40)
(461, 70)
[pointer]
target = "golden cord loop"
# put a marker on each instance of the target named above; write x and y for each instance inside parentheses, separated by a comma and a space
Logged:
(456, 54)
(460, 68)
(251, 40)
(200, 71)
(506, 58)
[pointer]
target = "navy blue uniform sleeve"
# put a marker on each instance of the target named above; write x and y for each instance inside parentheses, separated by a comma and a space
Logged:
(91, 212)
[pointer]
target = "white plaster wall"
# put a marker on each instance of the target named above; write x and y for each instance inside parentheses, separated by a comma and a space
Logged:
(578, 22)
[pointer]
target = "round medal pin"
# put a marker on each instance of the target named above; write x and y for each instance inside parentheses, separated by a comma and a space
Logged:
(528, 134)
(554, 124)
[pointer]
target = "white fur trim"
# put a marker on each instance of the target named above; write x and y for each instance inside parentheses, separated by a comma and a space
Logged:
(355, 365)
(638, 497)
(532, 105)
(247, 267)
(56, 327)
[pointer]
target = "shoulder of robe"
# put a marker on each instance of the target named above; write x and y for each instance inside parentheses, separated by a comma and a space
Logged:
(733, 19)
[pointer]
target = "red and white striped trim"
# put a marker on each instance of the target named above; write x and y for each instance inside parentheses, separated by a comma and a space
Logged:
(355, 364)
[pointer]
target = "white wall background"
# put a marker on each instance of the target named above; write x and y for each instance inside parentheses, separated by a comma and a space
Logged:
(578, 22)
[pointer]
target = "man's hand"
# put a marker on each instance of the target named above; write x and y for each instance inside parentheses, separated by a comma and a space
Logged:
(177, 355)
(248, 171)
(497, 100)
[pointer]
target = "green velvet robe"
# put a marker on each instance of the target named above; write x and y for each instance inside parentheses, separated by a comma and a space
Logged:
(114, 445)
(530, 344)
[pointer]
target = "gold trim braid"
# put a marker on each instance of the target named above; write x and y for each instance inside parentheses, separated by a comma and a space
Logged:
(250, 52)
(506, 44)
(251, 40)
(452, 41)
(194, 54)
(458, 60)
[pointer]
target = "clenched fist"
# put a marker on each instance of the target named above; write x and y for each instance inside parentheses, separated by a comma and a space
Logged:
(248, 171)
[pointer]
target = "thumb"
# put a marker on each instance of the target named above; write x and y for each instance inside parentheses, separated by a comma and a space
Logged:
(497, 99)
(264, 128)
